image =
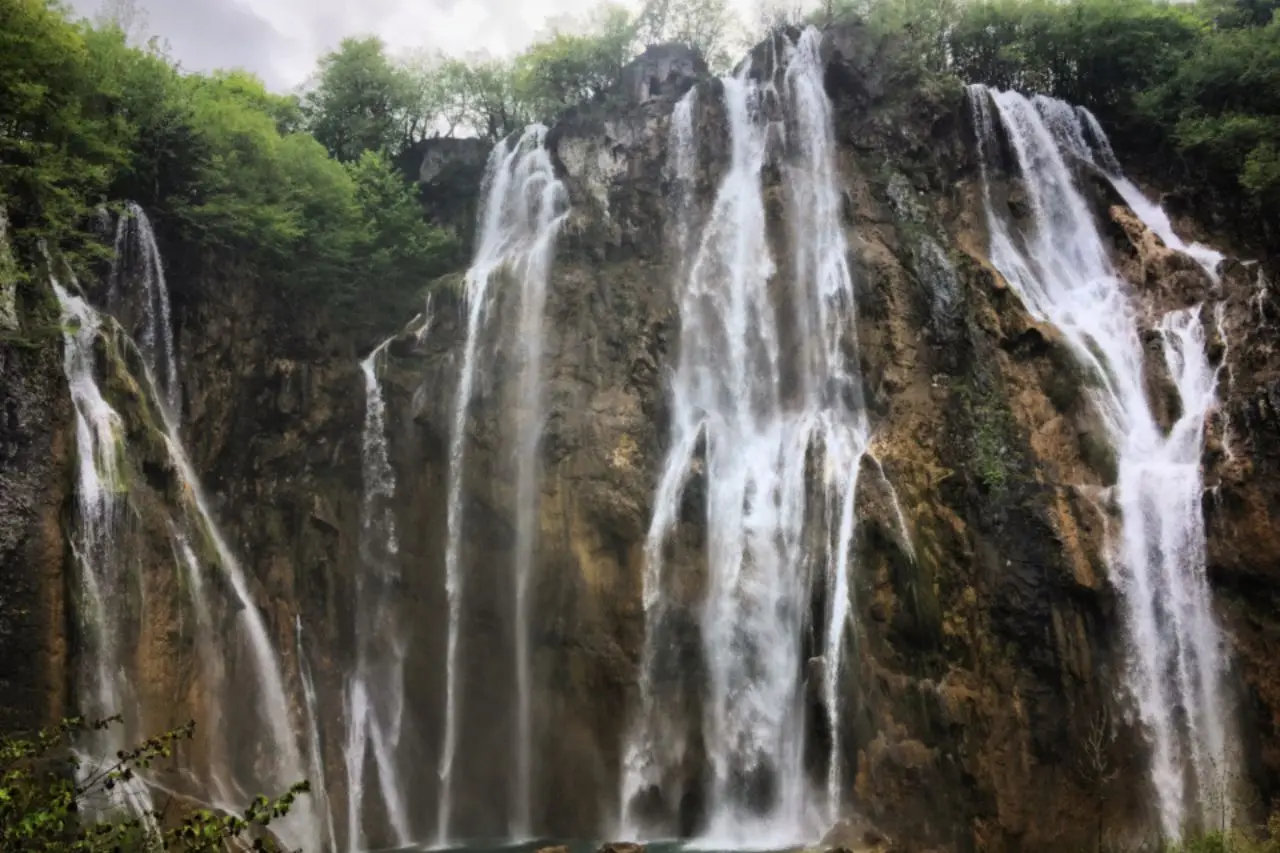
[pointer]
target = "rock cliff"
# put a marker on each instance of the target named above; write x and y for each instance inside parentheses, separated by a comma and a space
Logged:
(985, 704)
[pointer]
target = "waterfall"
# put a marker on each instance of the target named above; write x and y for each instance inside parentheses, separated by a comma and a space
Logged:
(1079, 133)
(521, 213)
(105, 601)
(137, 262)
(759, 407)
(375, 688)
(1058, 265)
(103, 592)
(315, 757)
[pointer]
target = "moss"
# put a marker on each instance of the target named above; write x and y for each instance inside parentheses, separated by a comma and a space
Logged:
(991, 460)
(1100, 456)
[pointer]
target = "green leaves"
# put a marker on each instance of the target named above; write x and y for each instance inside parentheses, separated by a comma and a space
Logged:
(362, 100)
(42, 803)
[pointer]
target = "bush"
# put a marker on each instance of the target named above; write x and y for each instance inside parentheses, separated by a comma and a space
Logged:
(49, 803)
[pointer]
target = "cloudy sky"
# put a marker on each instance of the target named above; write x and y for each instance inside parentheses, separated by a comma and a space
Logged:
(281, 39)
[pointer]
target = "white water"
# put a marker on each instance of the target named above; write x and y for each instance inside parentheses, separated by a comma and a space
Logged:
(375, 688)
(282, 763)
(733, 388)
(518, 223)
(100, 489)
(538, 214)
(315, 755)
(137, 263)
(1079, 133)
(1059, 266)
(105, 683)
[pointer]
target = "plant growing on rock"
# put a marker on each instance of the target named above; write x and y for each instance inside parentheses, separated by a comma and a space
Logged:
(52, 800)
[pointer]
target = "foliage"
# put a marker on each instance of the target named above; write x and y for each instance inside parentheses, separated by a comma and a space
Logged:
(87, 120)
(563, 70)
(57, 154)
(52, 801)
(362, 101)
(1191, 89)
(397, 247)
(700, 24)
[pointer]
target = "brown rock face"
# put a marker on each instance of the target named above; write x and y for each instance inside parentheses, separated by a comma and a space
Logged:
(35, 491)
(988, 648)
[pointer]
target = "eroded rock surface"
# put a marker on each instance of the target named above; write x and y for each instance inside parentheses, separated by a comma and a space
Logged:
(989, 642)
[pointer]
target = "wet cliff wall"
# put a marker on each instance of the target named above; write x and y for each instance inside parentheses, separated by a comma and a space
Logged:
(988, 643)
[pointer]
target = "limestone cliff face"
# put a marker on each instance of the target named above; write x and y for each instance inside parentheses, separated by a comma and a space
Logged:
(988, 642)
(35, 485)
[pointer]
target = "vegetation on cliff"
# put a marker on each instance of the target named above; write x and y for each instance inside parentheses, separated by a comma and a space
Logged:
(51, 801)
(87, 121)
(1189, 91)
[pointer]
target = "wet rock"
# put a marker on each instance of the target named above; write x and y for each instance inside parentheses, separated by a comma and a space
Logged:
(621, 847)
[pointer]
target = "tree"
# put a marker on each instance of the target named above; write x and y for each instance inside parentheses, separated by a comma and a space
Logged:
(129, 16)
(51, 801)
(397, 250)
(57, 153)
(700, 24)
(563, 70)
(361, 101)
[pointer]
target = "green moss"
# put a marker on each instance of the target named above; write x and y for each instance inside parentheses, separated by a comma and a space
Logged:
(992, 459)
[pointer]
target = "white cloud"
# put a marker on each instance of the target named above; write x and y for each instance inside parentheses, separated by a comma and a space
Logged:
(280, 40)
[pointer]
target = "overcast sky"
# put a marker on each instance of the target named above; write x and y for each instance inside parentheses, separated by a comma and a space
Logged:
(280, 39)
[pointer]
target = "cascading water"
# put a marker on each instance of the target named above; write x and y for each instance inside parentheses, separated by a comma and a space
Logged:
(137, 263)
(1058, 264)
(524, 205)
(1079, 132)
(107, 599)
(735, 391)
(105, 682)
(375, 689)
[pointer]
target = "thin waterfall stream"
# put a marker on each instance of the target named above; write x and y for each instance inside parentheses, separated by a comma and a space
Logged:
(107, 599)
(375, 688)
(522, 209)
(1058, 264)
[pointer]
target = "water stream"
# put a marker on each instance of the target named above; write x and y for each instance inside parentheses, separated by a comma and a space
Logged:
(1058, 264)
(137, 272)
(375, 687)
(758, 410)
(522, 209)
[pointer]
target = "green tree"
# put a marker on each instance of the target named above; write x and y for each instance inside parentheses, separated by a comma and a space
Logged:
(57, 156)
(563, 70)
(52, 802)
(398, 252)
(703, 25)
(361, 101)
